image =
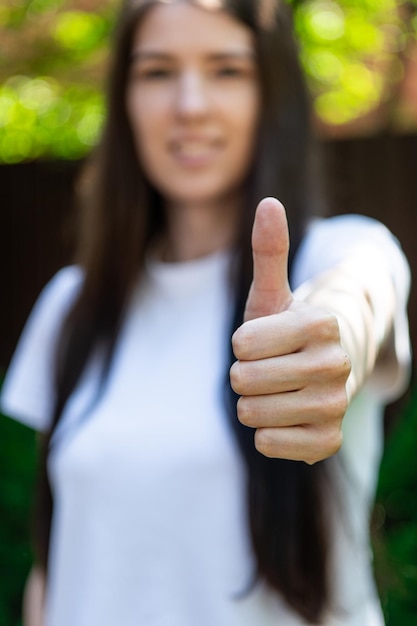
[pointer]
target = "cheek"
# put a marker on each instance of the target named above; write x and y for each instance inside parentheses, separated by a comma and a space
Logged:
(136, 112)
(244, 107)
(145, 120)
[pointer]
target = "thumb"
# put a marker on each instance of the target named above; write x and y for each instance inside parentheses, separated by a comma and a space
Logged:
(270, 292)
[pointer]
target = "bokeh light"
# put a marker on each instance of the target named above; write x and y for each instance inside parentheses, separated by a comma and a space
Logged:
(348, 49)
(78, 31)
(53, 56)
(38, 117)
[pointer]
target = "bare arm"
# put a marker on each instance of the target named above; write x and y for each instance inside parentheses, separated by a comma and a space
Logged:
(33, 598)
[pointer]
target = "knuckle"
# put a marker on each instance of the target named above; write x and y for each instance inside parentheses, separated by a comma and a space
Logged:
(334, 405)
(325, 368)
(242, 341)
(338, 441)
(346, 366)
(324, 326)
(341, 362)
(241, 378)
(323, 408)
(342, 369)
(235, 377)
(325, 442)
(331, 326)
(333, 441)
(265, 443)
(245, 412)
(312, 460)
(334, 365)
(341, 402)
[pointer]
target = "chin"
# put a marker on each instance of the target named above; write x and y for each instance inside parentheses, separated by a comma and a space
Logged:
(199, 194)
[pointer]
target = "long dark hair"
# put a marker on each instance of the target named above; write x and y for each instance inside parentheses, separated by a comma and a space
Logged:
(122, 213)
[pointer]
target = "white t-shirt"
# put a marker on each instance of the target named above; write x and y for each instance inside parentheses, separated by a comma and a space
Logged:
(149, 524)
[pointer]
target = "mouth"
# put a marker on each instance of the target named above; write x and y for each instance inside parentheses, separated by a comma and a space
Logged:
(194, 153)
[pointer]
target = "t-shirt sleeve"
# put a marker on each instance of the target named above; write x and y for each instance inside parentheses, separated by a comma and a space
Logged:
(328, 243)
(28, 390)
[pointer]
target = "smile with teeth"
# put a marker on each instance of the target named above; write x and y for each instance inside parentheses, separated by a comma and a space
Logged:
(193, 152)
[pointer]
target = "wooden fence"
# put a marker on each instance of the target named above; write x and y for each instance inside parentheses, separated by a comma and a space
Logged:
(374, 176)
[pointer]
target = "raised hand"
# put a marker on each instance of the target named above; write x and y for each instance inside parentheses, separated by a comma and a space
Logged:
(291, 370)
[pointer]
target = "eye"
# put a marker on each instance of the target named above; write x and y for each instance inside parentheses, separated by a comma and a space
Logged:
(230, 71)
(156, 73)
(151, 73)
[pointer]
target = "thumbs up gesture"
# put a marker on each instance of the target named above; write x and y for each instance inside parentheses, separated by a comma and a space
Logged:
(291, 370)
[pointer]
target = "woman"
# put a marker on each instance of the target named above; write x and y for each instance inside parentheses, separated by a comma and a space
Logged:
(167, 509)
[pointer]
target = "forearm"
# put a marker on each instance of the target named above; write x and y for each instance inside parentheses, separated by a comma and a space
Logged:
(361, 293)
(33, 599)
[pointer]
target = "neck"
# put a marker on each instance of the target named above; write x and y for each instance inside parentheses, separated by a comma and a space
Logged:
(195, 231)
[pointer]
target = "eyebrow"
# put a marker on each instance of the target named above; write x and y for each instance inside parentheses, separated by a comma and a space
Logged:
(151, 55)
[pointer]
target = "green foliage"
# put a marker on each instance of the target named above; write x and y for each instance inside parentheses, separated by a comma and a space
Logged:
(347, 48)
(39, 116)
(395, 537)
(54, 54)
(79, 32)
(17, 470)
(53, 59)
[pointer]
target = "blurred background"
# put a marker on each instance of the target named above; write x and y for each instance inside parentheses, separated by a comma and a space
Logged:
(360, 59)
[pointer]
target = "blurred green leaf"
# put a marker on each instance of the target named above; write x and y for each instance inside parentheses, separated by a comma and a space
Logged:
(17, 474)
(395, 536)
(79, 31)
(352, 52)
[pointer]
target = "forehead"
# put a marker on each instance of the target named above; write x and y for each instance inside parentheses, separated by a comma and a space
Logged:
(181, 27)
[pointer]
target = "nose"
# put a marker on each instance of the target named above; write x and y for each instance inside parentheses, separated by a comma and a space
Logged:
(192, 95)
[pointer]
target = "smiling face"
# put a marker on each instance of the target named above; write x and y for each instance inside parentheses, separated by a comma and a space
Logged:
(193, 102)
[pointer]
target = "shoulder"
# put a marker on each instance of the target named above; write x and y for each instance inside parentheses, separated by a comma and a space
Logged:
(331, 238)
(55, 299)
(329, 241)
(28, 390)
(52, 304)
(62, 288)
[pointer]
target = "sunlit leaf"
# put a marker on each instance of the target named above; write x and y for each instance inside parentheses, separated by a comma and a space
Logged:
(56, 58)
(78, 30)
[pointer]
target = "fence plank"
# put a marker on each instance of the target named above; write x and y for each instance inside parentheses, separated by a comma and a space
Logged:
(372, 176)
(35, 217)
